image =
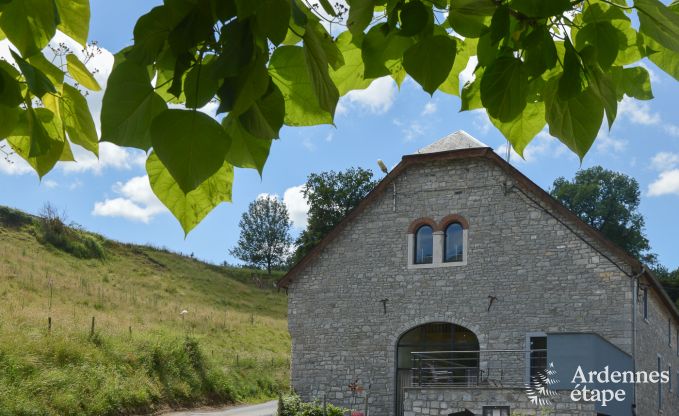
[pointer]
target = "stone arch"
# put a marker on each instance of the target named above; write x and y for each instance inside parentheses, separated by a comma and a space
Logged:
(412, 228)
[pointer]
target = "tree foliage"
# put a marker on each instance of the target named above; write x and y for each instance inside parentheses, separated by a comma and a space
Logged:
(565, 64)
(609, 202)
(331, 196)
(264, 234)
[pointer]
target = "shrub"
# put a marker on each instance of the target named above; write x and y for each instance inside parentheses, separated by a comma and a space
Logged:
(292, 405)
(52, 230)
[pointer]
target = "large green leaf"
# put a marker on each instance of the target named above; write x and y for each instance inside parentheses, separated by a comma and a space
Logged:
(288, 70)
(80, 73)
(317, 63)
(74, 16)
(200, 85)
(430, 60)
(39, 127)
(351, 75)
(129, 106)
(191, 208)
(470, 18)
(572, 80)
(266, 116)
(37, 82)
(29, 24)
(576, 121)
(9, 117)
(540, 51)
(360, 15)
(603, 86)
(504, 88)
(665, 59)
(604, 38)
(523, 128)
(659, 23)
(635, 82)
(77, 119)
(10, 93)
(246, 151)
(382, 52)
(191, 145)
(471, 92)
(465, 50)
(414, 18)
(51, 71)
(272, 19)
(237, 94)
(151, 33)
(540, 8)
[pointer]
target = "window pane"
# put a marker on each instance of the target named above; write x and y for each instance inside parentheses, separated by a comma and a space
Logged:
(424, 245)
(454, 243)
(538, 355)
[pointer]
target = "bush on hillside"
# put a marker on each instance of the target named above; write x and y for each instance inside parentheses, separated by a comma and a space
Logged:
(52, 230)
(14, 218)
(292, 405)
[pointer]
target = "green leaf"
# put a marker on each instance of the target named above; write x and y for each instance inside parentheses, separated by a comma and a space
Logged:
(504, 88)
(351, 75)
(523, 128)
(470, 18)
(540, 51)
(9, 117)
(414, 18)
(659, 23)
(272, 19)
(239, 93)
(37, 82)
(360, 15)
(39, 128)
(129, 106)
(266, 116)
(636, 83)
(191, 145)
(29, 24)
(51, 71)
(665, 59)
(604, 87)
(316, 34)
(328, 8)
(151, 32)
(246, 151)
(540, 8)
(316, 60)
(288, 70)
(80, 73)
(575, 121)
(605, 39)
(465, 49)
(382, 52)
(74, 16)
(572, 80)
(200, 85)
(10, 93)
(499, 25)
(471, 92)
(191, 208)
(430, 60)
(77, 119)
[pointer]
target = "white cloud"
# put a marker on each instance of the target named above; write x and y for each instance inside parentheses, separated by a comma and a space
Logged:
(110, 156)
(467, 73)
(297, 206)
(481, 121)
(637, 112)
(666, 184)
(411, 130)
(13, 164)
(377, 98)
(50, 184)
(671, 129)
(608, 144)
(429, 108)
(664, 161)
(136, 202)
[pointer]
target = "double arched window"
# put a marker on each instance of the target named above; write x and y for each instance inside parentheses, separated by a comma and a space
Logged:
(442, 244)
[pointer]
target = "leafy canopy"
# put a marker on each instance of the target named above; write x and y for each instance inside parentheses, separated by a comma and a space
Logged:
(609, 202)
(565, 64)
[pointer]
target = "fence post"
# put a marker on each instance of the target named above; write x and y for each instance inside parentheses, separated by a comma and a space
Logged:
(92, 328)
(49, 324)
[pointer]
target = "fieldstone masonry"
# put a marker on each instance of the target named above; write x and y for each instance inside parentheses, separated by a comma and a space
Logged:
(546, 277)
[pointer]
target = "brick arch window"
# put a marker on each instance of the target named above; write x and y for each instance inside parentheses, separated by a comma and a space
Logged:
(454, 238)
(424, 245)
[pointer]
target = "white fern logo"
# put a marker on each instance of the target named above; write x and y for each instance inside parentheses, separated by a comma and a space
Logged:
(538, 390)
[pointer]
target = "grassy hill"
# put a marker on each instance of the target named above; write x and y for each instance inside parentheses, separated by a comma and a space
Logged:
(143, 354)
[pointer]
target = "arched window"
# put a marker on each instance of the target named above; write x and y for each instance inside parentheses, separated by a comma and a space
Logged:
(453, 243)
(424, 245)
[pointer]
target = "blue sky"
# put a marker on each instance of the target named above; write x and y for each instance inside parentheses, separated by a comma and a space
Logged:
(111, 196)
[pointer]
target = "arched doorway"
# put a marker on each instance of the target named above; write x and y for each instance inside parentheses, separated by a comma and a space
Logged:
(436, 354)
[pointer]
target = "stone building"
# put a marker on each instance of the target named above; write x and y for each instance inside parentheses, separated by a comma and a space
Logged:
(459, 287)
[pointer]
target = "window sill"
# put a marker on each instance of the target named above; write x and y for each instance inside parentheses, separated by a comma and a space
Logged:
(437, 265)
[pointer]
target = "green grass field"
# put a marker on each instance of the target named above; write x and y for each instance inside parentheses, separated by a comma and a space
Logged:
(232, 345)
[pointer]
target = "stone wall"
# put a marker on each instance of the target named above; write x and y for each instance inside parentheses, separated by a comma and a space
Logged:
(441, 402)
(546, 279)
(653, 340)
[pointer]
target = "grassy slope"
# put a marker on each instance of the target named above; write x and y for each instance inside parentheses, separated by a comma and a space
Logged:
(232, 345)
